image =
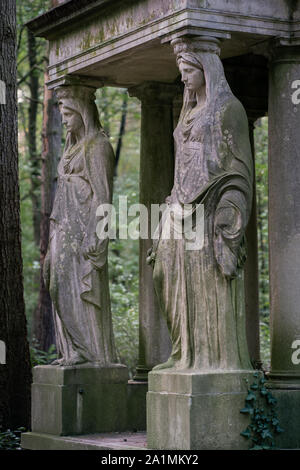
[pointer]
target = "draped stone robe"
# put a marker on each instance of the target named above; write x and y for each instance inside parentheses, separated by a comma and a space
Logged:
(201, 292)
(78, 284)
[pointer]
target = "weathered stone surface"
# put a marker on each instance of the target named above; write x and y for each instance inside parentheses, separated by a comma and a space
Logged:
(193, 410)
(75, 267)
(284, 240)
(194, 399)
(110, 441)
(200, 290)
(284, 210)
(136, 405)
(288, 412)
(120, 41)
(69, 400)
(82, 373)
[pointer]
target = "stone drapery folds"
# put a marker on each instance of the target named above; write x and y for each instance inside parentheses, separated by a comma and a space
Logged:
(75, 268)
(201, 292)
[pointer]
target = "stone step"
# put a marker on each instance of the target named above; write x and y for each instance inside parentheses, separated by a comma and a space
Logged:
(103, 441)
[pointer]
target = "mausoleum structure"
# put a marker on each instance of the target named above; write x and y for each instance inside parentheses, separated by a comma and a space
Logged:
(140, 45)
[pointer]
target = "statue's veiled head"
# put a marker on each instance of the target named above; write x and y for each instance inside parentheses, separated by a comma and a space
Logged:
(71, 119)
(192, 75)
(200, 65)
(78, 110)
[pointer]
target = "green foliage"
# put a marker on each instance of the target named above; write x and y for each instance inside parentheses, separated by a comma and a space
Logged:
(124, 286)
(42, 358)
(11, 440)
(265, 342)
(261, 168)
(123, 254)
(260, 405)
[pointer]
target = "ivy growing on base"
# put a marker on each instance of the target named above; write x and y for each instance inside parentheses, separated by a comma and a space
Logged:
(260, 404)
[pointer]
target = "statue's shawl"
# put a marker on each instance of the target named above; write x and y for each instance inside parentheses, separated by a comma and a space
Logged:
(99, 164)
(213, 158)
(96, 158)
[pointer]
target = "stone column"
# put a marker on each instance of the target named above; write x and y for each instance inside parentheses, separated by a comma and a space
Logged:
(284, 237)
(251, 272)
(156, 182)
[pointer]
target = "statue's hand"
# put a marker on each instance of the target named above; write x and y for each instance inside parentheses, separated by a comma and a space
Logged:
(89, 250)
(226, 221)
(150, 257)
(95, 250)
(229, 230)
(46, 270)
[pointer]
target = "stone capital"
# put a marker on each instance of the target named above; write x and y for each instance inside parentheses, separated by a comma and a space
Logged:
(196, 44)
(155, 93)
(76, 80)
(280, 49)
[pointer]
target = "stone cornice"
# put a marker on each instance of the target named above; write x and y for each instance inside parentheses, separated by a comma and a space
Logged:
(80, 80)
(84, 33)
(68, 13)
(65, 14)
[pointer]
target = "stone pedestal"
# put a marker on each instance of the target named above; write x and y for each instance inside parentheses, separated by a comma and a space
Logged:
(79, 400)
(197, 410)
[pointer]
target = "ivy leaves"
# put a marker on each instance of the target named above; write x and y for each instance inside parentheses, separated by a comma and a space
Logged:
(260, 405)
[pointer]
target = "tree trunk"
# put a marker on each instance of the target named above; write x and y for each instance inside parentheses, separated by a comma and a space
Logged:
(32, 119)
(43, 327)
(15, 375)
(122, 129)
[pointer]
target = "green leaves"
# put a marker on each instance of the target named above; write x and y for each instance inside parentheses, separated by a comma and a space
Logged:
(251, 397)
(41, 358)
(10, 440)
(246, 433)
(247, 409)
(260, 405)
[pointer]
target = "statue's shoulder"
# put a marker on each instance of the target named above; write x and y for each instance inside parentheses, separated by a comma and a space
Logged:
(98, 143)
(233, 113)
(233, 105)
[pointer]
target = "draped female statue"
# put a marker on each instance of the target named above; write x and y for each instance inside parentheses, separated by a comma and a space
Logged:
(201, 291)
(75, 267)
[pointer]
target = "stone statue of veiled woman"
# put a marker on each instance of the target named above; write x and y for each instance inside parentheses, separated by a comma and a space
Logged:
(75, 268)
(201, 291)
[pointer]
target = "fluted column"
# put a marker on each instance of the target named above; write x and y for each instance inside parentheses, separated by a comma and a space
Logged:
(156, 181)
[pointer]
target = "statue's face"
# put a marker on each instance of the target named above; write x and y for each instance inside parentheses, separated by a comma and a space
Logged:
(71, 119)
(192, 77)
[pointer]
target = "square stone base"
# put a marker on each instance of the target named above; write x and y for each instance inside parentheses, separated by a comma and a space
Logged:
(287, 394)
(197, 410)
(79, 400)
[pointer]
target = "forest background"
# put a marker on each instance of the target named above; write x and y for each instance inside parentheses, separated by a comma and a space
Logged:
(39, 128)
